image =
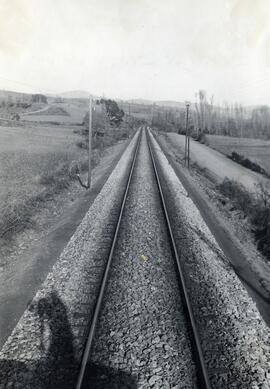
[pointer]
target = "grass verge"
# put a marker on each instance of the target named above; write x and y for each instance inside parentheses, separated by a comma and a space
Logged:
(255, 207)
(58, 171)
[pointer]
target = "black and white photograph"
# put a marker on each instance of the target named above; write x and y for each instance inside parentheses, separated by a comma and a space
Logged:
(134, 194)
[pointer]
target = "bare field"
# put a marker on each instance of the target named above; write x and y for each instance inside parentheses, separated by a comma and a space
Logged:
(29, 158)
(67, 112)
(257, 150)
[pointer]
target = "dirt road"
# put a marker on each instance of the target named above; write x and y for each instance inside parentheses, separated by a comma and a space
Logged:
(216, 163)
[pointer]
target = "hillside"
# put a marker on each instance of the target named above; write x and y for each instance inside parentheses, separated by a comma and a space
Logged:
(74, 94)
(170, 104)
(160, 103)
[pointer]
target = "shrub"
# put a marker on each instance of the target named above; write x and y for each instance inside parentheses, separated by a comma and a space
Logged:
(200, 137)
(82, 145)
(237, 193)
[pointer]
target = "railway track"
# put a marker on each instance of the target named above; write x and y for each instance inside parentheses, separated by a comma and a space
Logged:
(143, 334)
(120, 310)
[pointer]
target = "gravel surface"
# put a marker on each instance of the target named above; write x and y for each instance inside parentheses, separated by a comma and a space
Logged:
(142, 339)
(235, 339)
(50, 335)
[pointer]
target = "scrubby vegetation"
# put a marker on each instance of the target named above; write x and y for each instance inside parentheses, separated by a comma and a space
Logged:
(108, 126)
(35, 166)
(256, 209)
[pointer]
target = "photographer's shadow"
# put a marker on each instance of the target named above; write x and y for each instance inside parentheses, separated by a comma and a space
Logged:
(57, 368)
(56, 349)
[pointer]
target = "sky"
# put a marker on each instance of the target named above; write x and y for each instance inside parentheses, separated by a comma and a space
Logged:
(151, 49)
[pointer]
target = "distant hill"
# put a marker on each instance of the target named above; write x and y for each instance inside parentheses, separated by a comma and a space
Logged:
(74, 94)
(140, 101)
(160, 103)
(170, 104)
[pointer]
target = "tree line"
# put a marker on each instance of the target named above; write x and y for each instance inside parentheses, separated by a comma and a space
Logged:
(208, 118)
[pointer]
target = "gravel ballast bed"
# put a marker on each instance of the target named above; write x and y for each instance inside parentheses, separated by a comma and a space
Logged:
(142, 339)
(226, 222)
(44, 349)
(235, 340)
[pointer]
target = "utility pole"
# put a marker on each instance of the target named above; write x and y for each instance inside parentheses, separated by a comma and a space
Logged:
(129, 117)
(241, 120)
(90, 142)
(180, 121)
(187, 137)
(152, 114)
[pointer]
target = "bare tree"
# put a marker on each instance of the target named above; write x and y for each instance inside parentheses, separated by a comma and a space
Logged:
(204, 112)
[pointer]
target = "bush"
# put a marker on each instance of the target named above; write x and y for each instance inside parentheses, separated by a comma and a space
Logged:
(238, 194)
(82, 145)
(202, 138)
(107, 139)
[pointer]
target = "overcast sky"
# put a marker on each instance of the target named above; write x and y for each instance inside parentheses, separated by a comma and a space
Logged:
(153, 49)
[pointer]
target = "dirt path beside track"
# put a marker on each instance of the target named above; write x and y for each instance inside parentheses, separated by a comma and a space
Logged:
(218, 165)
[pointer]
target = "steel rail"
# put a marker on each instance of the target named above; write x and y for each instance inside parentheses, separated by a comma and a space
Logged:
(203, 379)
(91, 333)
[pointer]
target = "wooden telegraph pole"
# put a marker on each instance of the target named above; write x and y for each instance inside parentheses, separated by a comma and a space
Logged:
(88, 185)
(187, 137)
(129, 113)
(152, 115)
(90, 142)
